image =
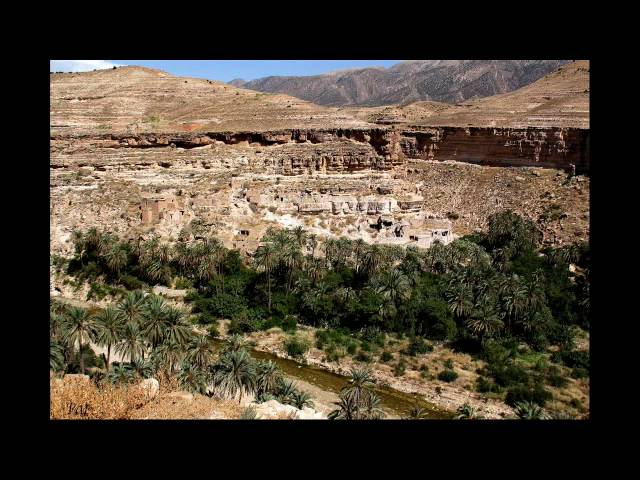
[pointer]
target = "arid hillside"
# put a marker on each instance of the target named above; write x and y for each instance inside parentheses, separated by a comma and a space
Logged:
(559, 99)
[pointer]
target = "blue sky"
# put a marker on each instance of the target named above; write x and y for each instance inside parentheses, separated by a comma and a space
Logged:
(226, 70)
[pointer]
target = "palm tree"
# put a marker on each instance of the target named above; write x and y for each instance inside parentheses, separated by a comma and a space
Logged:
(265, 259)
(268, 377)
(347, 410)
(80, 327)
(110, 325)
(234, 374)
(131, 306)
(143, 368)
(192, 378)
(301, 400)
(177, 329)
(371, 408)
(121, 374)
(234, 343)
(484, 321)
(392, 284)
(530, 411)
(300, 236)
(416, 413)
(131, 342)
(513, 297)
(154, 319)
(200, 351)
(286, 391)
(466, 412)
(460, 299)
(56, 356)
(361, 384)
(167, 356)
(116, 258)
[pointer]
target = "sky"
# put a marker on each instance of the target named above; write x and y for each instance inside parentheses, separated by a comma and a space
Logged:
(225, 70)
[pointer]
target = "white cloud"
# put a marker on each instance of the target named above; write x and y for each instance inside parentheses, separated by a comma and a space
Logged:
(80, 65)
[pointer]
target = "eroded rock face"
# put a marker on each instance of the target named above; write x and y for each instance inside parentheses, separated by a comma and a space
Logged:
(542, 147)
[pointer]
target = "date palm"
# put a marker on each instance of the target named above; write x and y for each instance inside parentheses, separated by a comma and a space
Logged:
(154, 319)
(460, 299)
(192, 378)
(265, 259)
(110, 325)
(177, 329)
(80, 328)
(56, 356)
(301, 400)
(360, 386)
(417, 413)
(234, 374)
(142, 368)
(484, 321)
(131, 342)
(167, 356)
(116, 258)
(121, 374)
(131, 307)
(200, 351)
(268, 376)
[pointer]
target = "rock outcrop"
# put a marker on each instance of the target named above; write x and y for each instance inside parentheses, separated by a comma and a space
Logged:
(273, 409)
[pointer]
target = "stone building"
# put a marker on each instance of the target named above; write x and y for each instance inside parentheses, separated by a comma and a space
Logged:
(154, 208)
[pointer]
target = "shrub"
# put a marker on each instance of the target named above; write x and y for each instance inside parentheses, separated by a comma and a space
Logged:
(575, 359)
(417, 346)
(363, 357)
(351, 348)
(365, 346)
(523, 393)
(183, 283)
(486, 386)
(400, 368)
(579, 373)
(509, 375)
(296, 346)
(386, 356)
(447, 375)
(448, 364)
(554, 378)
(289, 323)
(131, 283)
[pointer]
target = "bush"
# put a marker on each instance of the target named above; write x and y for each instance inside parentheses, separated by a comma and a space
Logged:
(351, 348)
(296, 346)
(448, 364)
(183, 283)
(554, 378)
(447, 376)
(523, 393)
(509, 375)
(400, 368)
(485, 386)
(365, 346)
(575, 359)
(579, 373)
(418, 346)
(386, 356)
(363, 357)
(131, 283)
(289, 323)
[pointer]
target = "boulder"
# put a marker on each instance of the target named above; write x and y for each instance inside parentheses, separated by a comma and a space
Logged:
(151, 387)
(274, 409)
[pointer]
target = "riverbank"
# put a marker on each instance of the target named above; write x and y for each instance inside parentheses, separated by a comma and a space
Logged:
(446, 396)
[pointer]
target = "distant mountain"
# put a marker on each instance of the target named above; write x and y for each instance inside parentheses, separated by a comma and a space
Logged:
(237, 82)
(447, 81)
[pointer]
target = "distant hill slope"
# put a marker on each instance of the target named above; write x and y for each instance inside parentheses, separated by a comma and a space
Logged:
(138, 99)
(448, 81)
(559, 99)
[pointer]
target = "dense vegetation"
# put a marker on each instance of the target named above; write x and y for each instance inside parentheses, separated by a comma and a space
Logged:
(496, 295)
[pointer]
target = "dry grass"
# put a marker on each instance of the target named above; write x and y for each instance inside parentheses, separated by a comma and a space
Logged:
(74, 398)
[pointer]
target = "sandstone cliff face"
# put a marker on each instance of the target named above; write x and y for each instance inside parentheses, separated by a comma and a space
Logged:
(550, 147)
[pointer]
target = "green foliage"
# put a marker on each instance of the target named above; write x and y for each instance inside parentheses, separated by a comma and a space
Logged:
(448, 364)
(447, 375)
(579, 373)
(483, 385)
(521, 393)
(296, 346)
(418, 346)
(386, 356)
(400, 368)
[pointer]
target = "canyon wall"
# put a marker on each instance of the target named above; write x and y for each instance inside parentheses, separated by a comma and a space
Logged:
(522, 147)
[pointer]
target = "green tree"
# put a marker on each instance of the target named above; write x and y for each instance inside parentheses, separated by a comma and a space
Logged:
(234, 374)
(131, 342)
(265, 258)
(80, 328)
(110, 325)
